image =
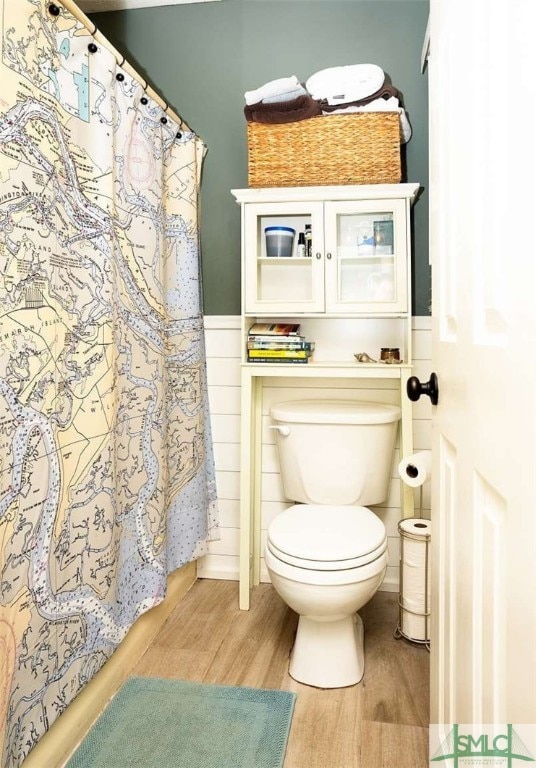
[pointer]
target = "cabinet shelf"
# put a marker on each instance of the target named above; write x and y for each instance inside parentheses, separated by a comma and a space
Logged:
(329, 369)
(367, 259)
(280, 261)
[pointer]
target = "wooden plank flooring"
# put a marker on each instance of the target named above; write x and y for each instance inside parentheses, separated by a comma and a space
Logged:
(380, 723)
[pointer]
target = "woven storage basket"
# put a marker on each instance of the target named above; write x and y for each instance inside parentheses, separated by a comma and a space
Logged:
(356, 148)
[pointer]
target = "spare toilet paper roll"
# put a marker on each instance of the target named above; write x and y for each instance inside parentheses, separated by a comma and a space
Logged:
(415, 600)
(415, 469)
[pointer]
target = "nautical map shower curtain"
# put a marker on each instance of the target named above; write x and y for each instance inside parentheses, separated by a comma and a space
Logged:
(106, 468)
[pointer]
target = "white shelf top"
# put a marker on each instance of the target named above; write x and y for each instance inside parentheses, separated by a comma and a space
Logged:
(331, 369)
(349, 192)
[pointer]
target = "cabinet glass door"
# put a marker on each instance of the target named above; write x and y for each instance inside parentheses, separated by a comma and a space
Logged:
(283, 277)
(366, 257)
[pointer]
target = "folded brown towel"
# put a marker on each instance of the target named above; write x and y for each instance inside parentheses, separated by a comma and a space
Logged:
(300, 108)
(385, 92)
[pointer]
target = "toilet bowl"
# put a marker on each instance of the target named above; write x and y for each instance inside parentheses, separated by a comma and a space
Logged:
(326, 575)
(327, 556)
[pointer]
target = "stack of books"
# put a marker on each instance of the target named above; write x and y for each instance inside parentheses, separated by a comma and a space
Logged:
(278, 343)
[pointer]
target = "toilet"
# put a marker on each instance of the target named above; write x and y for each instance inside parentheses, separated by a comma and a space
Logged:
(327, 554)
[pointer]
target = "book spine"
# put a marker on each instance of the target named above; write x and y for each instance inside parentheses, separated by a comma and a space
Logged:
(274, 329)
(279, 360)
(281, 345)
(279, 339)
(278, 353)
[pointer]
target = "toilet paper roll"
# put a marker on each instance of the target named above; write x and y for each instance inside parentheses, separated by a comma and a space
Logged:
(415, 469)
(415, 562)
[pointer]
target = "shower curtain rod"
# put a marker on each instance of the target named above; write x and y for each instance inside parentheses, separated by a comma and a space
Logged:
(70, 6)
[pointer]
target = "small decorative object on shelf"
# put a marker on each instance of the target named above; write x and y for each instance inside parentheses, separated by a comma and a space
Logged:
(362, 357)
(390, 355)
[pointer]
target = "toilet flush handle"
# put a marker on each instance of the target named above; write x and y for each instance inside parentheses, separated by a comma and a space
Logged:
(282, 429)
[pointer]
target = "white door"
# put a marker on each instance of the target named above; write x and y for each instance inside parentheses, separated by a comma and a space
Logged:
(482, 75)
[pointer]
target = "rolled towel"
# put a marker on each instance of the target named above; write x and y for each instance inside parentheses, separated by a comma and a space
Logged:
(340, 85)
(272, 88)
(293, 111)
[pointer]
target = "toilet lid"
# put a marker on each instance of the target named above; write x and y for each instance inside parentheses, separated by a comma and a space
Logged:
(327, 565)
(327, 537)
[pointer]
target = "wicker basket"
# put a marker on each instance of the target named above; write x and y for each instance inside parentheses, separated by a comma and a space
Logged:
(356, 148)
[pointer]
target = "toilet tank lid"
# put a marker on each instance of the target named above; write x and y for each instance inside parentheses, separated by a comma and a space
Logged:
(335, 412)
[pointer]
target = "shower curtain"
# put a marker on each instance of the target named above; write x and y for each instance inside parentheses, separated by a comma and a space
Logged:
(106, 467)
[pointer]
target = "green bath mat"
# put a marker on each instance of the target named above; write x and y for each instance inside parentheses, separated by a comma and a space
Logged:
(153, 723)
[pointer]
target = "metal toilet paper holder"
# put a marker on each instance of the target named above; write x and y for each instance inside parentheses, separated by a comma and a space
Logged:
(426, 538)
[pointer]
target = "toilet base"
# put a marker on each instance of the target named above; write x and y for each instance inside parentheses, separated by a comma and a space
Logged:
(328, 654)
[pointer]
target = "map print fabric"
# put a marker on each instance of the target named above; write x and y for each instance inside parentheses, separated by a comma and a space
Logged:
(106, 466)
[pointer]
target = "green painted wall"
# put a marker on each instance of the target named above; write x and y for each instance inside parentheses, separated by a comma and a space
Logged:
(202, 57)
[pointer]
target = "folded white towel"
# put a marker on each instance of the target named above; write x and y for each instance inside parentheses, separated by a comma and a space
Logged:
(272, 88)
(287, 96)
(342, 84)
(382, 105)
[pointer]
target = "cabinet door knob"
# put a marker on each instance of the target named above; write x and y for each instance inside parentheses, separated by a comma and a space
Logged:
(328, 255)
(318, 255)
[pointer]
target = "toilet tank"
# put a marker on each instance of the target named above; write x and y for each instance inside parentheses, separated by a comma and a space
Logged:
(335, 451)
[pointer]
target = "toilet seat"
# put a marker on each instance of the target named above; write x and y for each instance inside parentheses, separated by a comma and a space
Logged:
(323, 578)
(326, 538)
(330, 565)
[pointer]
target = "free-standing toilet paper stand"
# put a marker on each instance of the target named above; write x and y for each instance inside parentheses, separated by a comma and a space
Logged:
(423, 537)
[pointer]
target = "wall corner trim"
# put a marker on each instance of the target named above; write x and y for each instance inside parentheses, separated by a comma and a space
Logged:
(421, 323)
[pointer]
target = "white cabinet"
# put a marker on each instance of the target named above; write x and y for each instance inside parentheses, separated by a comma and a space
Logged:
(352, 294)
(359, 255)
